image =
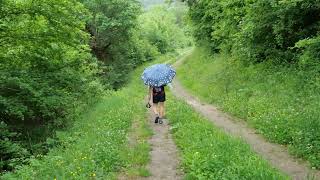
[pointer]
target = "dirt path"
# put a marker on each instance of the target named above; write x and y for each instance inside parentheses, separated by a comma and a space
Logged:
(164, 154)
(276, 154)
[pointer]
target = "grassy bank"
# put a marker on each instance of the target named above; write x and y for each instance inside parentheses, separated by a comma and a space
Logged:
(208, 153)
(92, 148)
(282, 103)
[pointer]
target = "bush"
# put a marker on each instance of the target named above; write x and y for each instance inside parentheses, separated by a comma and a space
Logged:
(11, 152)
(258, 30)
(160, 28)
(46, 71)
(112, 27)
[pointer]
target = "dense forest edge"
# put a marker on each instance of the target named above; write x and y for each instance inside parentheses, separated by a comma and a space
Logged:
(58, 58)
(259, 60)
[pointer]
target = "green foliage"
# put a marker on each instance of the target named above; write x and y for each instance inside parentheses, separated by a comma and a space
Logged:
(46, 68)
(281, 103)
(207, 153)
(277, 28)
(122, 37)
(111, 21)
(11, 153)
(257, 30)
(270, 77)
(112, 27)
(47, 73)
(309, 58)
(160, 28)
(204, 15)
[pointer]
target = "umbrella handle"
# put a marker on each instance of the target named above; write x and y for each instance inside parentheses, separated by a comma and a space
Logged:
(148, 105)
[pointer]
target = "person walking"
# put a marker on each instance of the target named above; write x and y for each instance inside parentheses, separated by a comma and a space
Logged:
(156, 77)
(157, 97)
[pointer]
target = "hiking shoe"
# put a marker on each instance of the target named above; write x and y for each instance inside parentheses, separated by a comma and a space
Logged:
(160, 121)
(156, 120)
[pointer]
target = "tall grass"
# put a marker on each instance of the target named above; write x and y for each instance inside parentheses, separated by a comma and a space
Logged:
(282, 103)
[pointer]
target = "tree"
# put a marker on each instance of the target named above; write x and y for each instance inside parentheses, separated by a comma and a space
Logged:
(160, 28)
(256, 30)
(112, 26)
(46, 68)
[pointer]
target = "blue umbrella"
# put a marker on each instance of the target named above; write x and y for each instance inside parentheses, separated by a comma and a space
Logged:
(158, 75)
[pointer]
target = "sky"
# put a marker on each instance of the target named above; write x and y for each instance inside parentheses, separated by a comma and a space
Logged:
(148, 3)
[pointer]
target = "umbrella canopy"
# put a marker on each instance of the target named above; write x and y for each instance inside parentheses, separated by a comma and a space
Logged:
(158, 75)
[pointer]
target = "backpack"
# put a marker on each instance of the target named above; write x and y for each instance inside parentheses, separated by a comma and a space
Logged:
(158, 90)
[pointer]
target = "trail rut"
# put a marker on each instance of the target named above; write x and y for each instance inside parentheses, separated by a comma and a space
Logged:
(164, 154)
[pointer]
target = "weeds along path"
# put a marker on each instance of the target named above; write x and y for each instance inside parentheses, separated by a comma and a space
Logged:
(276, 154)
(164, 154)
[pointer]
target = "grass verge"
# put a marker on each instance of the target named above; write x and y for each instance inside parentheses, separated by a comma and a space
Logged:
(137, 150)
(208, 153)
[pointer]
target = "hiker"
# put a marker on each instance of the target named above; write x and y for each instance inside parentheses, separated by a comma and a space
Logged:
(158, 96)
(156, 77)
